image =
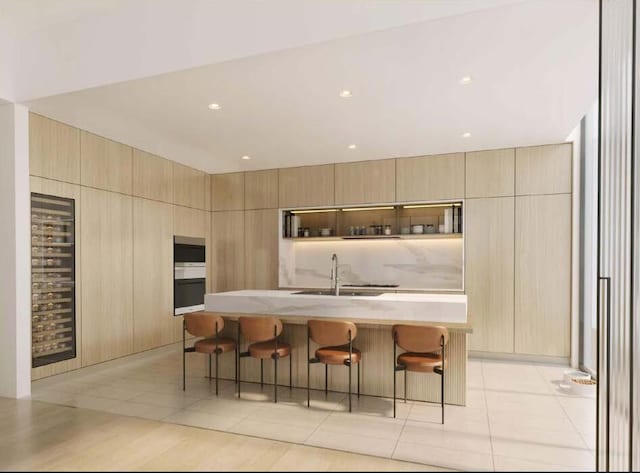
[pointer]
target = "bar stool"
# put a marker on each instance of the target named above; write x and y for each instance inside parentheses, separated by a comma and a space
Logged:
(425, 353)
(339, 337)
(208, 325)
(264, 333)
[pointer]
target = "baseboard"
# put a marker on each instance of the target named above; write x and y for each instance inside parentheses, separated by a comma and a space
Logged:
(554, 360)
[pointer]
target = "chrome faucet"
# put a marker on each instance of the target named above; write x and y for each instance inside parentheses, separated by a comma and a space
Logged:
(335, 279)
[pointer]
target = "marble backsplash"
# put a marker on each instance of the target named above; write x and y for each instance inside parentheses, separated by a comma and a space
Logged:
(425, 264)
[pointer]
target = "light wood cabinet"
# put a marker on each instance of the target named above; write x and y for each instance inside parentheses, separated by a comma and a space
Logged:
(261, 249)
(54, 149)
(105, 164)
(424, 178)
(543, 275)
(152, 177)
(544, 169)
(69, 191)
(106, 275)
(489, 271)
(228, 250)
(366, 182)
(261, 189)
(490, 173)
(153, 321)
(190, 187)
(227, 191)
(306, 186)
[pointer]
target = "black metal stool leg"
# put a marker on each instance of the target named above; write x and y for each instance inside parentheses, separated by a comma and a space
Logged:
(275, 378)
(405, 386)
(209, 367)
(217, 361)
(290, 371)
(261, 373)
(358, 380)
(326, 379)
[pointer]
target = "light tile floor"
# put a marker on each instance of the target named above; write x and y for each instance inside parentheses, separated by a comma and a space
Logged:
(517, 417)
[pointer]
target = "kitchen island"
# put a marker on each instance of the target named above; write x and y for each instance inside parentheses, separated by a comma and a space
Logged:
(374, 314)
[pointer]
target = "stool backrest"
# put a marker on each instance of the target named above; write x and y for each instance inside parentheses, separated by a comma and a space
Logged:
(260, 329)
(419, 339)
(331, 332)
(203, 324)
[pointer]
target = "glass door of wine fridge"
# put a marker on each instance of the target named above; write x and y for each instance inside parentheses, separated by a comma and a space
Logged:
(53, 295)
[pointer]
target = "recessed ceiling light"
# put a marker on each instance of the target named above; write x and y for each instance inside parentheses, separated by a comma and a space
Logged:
(246, 158)
(214, 106)
(345, 94)
(352, 146)
(465, 80)
(466, 135)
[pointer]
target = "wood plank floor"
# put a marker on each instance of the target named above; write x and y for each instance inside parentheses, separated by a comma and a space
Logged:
(40, 436)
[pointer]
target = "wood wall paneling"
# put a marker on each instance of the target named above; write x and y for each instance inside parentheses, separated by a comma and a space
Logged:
(106, 232)
(54, 149)
(261, 189)
(228, 191)
(489, 272)
(261, 249)
(437, 177)
(365, 182)
(105, 164)
(189, 187)
(153, 321)
(306, 186)
(70, 191)
(543, 275)
(490, 173)
(544, 169)
(228, 250)
(152, 177)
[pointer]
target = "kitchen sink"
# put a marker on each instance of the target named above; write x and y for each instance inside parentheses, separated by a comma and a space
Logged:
(327, 292)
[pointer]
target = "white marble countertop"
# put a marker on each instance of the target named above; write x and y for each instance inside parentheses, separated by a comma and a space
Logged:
(445, 308)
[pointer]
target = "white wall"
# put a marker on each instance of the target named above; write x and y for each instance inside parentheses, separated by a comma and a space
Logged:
(15, 278)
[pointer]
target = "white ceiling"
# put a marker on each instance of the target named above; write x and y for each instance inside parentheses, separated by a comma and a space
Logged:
(533, 63)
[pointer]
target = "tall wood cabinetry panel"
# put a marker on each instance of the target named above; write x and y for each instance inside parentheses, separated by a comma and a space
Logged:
(152, 177)
(227, 191)
(438, 177)
(106, 229)
(490, 173)
(306, 186)
(489, 272)
(228, 233)
(190, 187)
(261, 249)
(366, 182)
(261, 189)
(153, 321)
(543, 275)
(69, 191)
(544, 169)
(54, 149)
(105, 164)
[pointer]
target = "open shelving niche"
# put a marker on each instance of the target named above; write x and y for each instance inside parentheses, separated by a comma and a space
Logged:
(399, 217)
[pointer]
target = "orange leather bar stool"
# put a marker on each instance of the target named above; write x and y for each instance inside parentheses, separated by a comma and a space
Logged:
(425, 353)
(339, 337)
(263, 333)
(209, 326)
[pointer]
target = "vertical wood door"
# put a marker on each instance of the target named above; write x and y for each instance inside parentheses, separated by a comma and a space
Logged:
(490, 173)
(228, 250)
(543, 275)
(228, 191)
(306, 186)
(489, 272)
(261, 249)
(190, 187)
(366, 182)
(261, 189)
(438, 177)
(153, 321)
(152, 177)
(544, 169)
(106, 164)
(107, 277)
(54, 149)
